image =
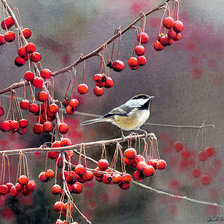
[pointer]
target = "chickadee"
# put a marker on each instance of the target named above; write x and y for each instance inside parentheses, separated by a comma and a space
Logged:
(130, 116)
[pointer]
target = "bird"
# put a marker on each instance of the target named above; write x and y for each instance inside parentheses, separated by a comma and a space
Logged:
(130, 116)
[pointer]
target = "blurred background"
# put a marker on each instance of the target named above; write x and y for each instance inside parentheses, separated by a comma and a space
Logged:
(186, 78)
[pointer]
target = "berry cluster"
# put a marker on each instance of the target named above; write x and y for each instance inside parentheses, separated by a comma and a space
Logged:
(142, 168)
(172, 33)
(24, 187)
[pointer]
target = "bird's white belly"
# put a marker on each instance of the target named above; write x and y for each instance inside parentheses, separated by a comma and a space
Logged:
(142, 117)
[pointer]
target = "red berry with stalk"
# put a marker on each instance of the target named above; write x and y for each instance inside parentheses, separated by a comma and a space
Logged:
(139, 50)
(53, 108)
(74, 102)
(36, 57)
(29, 76)
(34, 108)
(98, 91)
(5, 126)
(37, 82)
(7, 23)
(103, 164)
(47, 126)
(172, 34)
(38, 128)
(168, 22)
(83, 88)
(109, 82)
(130, 153)
(141, 60)
(161, 164)
(45, 73)
(23, 123)
(63, 128)
(10, 36)
(164, 40)
(27, 33)
(143, 37)
(118, 65)
(43, 96)
(30, 48)
(22, 52)
(158, 46)
(148, 171)
(178, 26)
(2, 39)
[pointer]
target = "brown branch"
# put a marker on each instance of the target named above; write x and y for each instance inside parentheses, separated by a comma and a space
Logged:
(83, 58)
(76, 146)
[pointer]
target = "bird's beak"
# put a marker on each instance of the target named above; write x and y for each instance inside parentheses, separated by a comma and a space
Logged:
(151, 97)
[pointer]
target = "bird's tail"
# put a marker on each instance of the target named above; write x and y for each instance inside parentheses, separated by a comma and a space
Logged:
(96, 120)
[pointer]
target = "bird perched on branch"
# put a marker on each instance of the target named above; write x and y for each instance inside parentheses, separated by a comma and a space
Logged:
(130, 116)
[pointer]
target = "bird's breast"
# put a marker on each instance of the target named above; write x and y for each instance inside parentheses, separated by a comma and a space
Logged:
(133, 121)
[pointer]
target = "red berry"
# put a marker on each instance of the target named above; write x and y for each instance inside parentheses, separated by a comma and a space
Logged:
(203, 155)
(164, 40)
(63, 128)
(26, 33)
(98, 91)
(172, 34)
(132, 61)
(12, 191)
(130, 153)
(196, 173)
(138, 175)
(38, 129)
(22, 52)
(49, 173)
(56, 189)
(43, 96)
(168, 22)
(29, 76)
(178, 26)
(43, 177)
(14, 125)
(19, 61)
(153, 162)
(3, 189)
(118, 65)
(128, 161)
(31, 186)
(10, 36)
(210, 151)
(103, 164)
(36, 56)
(65, 142)
(53, 108)
(18, 187)
(77, 188)
(34, 108)
(2, 39)
(30, 48)
(178, 146)
(161, 164)
(70, 110)
(158, 46)
(53, 154)
(206, 179)
(141, 60)
(116, 178)
(23, 123)
(7, 23)
(87, 176)
(45, 73)
(83, 88)
(170, 41)
(74, 103)
(178, 37)
(148, 171)
(5, 126)
(80, 169)
(98, 77)
(139, 50)
(141, 165)
(139, 158)
(126, 178)
(109, 82)
(143, 37)
(2, 112)
(107, 178)
(47, 126)
(124, 186)
(58, 206)
(23, 179)
(37, 82)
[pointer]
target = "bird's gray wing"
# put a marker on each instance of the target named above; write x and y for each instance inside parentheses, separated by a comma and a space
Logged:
(123, 110)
